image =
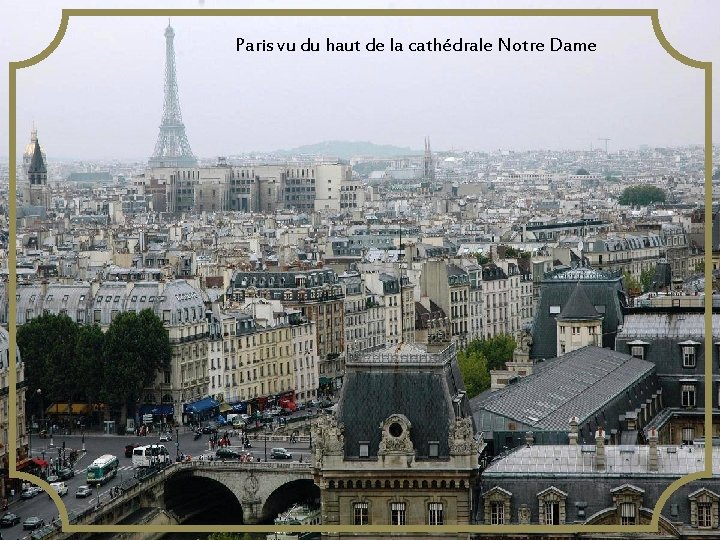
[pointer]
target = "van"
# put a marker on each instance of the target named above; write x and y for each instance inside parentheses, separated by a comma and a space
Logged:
(60, 487)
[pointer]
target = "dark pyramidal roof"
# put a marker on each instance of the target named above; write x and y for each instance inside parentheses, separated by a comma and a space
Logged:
(579, 306)
(37, 165)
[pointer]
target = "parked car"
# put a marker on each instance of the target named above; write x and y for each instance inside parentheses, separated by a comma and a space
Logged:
(129, 449)
(9, 519)
(65, 474)
(83, 491)
(280, 453)
(166, 437)
(52, 478)
(226, 453)
(33, 523)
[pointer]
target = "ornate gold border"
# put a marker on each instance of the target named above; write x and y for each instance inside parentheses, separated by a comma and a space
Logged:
(557, 529)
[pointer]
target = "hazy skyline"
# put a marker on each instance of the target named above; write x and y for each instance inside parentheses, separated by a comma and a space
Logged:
(100, 94)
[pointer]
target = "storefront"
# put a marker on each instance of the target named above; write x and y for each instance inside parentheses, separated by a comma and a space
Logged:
(201, 410)
(162, 414)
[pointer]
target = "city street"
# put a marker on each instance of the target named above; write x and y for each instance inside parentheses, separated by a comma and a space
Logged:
(96, 445)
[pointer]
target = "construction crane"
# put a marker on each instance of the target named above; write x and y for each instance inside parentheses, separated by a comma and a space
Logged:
(606, 141)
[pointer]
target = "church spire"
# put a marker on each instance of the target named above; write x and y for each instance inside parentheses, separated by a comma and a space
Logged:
(37, 164)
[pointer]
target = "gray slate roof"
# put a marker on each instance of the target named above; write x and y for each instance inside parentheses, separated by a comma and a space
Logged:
(602, 288)
(398, 384)
(579, 306)
(576, 384)
(568, 460)
(668, 325)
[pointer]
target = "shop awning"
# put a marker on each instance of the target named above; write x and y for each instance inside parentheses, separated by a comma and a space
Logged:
(62, 408)
(39, 462)
(20, 465)
(201, 405)
(157, 410)
(224, 407)
(324, 381)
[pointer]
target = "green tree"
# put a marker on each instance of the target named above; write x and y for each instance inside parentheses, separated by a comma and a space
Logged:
(496, 350)
(482, 258)
(136, 348)
(646, 279)
(89, 362)
(475, 372)
(630, 282)
(47, 345)
(641, 195)
(582, 172)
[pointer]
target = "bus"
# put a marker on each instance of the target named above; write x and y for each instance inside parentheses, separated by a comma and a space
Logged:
(102, 469)
(152, 454)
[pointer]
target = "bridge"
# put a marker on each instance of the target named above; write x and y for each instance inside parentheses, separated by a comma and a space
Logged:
(246, 493)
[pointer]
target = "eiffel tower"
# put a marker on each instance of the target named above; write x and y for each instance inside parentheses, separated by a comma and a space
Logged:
(172, 148)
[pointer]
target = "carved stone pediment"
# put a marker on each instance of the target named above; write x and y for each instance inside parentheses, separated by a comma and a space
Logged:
(396, 436)
(460, 439)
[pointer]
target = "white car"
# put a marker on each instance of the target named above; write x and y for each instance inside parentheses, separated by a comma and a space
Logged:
(166, 437)
(60, 487)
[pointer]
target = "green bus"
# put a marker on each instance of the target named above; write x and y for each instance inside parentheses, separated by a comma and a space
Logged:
(102, 469)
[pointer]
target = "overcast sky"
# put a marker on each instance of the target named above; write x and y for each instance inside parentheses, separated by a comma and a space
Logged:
(100, 94)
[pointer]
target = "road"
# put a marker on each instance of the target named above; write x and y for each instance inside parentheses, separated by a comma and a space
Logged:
(97, 445)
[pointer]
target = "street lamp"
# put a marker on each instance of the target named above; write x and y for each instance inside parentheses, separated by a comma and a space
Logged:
(265, 443)
(42, 409)
(177, 445)
(82, 430)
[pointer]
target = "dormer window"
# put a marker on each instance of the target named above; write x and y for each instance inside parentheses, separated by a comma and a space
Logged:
(628, 499)
(704, 509)
(638, 348)
(433, 449)
(364, 449)
(689, 349)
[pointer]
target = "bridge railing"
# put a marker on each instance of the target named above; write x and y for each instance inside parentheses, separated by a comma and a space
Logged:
(234, 464)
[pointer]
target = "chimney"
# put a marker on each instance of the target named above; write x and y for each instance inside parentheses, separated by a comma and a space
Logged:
(600, 449)
(573, 434)
(653, 450)
(529, 439)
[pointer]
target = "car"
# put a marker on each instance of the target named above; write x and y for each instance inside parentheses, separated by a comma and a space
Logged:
(33, 523)
(52, 478)
(300, 407)
(9, 519)
(65, 474)
(129, 449)
(226, 453)
(166, 437)
(209, 429)
(30, 492)
(83, 491)
(280, 453)
(60, 487)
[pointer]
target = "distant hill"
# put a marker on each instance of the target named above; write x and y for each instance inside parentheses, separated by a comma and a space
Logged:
(348, 149)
